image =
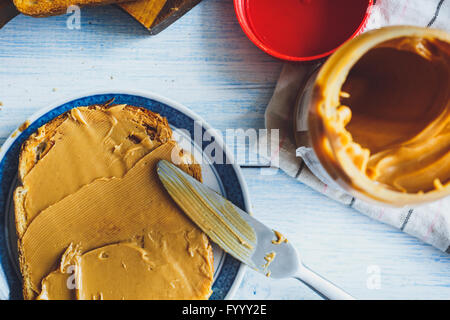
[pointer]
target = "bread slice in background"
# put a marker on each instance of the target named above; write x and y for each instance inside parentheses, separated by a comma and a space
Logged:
(40, 143)
(45, 8)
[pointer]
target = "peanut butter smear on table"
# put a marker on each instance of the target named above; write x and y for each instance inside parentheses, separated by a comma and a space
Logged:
(393, 123)
(102, 225)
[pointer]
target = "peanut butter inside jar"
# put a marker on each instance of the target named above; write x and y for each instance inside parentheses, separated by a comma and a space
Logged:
(380, 116)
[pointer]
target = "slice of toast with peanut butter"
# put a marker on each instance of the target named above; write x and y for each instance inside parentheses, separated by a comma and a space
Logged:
(86, 179)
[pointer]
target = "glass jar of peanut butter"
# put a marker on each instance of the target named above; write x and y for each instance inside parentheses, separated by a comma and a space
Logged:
(378, 115)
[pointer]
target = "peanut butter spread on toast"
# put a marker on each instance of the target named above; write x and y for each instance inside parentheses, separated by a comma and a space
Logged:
(89, 144)
(100, 225)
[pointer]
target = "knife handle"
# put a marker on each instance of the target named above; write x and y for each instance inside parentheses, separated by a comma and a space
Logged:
(7, 11)
(320, 285)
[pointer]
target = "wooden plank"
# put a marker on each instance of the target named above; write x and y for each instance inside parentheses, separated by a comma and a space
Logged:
(157, 15)
(144, 11)
(172, 11)
(7, 11)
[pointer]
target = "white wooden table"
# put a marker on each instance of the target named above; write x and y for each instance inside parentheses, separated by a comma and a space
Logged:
(205, 62)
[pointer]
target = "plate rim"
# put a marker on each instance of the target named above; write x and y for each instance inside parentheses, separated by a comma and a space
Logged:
(169, 102)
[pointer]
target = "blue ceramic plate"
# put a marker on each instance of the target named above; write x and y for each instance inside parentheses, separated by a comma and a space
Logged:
(224, 178)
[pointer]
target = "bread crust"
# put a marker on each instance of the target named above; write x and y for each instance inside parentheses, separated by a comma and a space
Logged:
(40, 142)
(45, 8)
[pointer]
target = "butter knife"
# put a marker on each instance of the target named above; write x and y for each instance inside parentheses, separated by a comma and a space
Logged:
(238, 233)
